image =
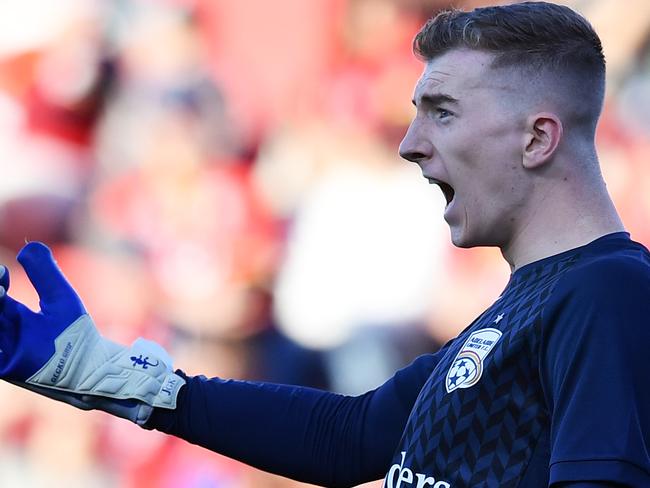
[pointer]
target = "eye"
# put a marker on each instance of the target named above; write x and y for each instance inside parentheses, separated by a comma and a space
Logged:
(443, 113)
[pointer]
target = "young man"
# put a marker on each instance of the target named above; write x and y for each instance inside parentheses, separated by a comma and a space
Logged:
(546, 388)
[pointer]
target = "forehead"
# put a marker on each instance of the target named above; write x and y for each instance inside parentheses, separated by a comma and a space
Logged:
(458, 72)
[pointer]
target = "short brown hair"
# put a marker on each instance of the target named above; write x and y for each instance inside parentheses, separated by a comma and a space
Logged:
(540, 36)
(531, 32)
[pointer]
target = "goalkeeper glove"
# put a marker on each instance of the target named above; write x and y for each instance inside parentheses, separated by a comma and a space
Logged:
(59, 353)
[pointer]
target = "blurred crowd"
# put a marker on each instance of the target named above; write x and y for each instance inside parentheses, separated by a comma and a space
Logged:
(222, 177)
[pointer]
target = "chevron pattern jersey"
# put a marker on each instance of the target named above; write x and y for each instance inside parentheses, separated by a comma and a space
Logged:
(482, 419)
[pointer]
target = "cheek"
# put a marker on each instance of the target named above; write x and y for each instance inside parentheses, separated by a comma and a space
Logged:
(489, 183)
(484, 159)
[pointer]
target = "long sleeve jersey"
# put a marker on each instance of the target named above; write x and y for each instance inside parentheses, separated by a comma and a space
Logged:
(548, 385)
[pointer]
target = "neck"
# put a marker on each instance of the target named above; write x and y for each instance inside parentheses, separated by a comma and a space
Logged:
(559, 224)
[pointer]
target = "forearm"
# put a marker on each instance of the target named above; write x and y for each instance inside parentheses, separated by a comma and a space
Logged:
(301, 433)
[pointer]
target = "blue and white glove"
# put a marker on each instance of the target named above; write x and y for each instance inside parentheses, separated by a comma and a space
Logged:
(59, 353)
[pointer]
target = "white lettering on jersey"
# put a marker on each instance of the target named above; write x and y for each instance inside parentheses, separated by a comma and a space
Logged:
(398, 476)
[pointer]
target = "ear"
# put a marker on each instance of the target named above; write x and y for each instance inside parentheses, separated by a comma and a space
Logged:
(543, 134)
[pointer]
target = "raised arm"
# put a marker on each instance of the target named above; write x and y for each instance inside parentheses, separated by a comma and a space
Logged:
(301, 433)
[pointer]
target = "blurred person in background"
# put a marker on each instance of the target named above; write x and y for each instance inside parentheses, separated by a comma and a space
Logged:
(182, 198)
(353, 210)
(53, 91)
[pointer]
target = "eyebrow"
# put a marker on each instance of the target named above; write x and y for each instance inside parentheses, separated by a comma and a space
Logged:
(436, 99)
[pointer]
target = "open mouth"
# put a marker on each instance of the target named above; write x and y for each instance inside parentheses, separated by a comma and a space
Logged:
(447, 189)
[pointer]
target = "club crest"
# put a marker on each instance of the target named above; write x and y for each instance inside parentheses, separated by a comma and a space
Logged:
(467, 368)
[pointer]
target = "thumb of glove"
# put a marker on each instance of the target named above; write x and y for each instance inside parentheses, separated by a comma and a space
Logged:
(4, 277)
(56, 295)
(4, 285)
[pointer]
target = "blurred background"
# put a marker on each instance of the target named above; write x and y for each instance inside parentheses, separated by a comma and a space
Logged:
(222, 176)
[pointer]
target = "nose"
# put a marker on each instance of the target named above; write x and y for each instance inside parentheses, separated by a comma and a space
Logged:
(414, 147)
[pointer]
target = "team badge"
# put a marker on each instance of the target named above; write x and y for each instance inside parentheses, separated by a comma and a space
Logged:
(467, 368)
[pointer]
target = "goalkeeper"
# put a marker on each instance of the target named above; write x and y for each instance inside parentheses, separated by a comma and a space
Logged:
(547, 387)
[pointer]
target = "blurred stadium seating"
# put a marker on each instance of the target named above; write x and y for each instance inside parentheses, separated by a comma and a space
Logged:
(223, 177)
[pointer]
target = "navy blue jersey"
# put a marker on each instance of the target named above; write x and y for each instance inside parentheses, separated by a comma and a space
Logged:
(547, 385)
(549, 382)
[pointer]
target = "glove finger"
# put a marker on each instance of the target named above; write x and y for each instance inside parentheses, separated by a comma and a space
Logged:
(10, 332)
(4, 285)
(4, 277)
(46, 276)
(42, 270)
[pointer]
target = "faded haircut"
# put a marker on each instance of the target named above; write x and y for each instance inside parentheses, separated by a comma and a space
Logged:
(535, 37)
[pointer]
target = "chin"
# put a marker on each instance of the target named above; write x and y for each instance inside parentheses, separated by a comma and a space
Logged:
(464, 240)
(459, 240)
(464, 244)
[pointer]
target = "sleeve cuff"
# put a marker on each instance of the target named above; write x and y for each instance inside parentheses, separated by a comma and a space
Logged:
(163, 419)
(611, 470)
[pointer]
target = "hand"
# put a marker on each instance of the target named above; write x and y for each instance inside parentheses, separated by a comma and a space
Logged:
(27, 338)
(58, 351)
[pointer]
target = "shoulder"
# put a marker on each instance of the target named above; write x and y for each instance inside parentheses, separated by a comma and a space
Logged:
(602, 302)
(593, 365)
(618, 274)
(416, 374)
